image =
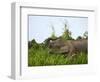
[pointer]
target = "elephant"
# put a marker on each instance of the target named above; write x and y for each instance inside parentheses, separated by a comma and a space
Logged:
(67, 47)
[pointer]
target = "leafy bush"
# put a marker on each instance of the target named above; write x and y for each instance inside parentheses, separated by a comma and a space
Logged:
(53, 36)
(66, 34)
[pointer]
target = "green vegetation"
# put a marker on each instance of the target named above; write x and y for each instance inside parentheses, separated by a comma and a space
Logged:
(66, 34)
(53, 36)
(41, 57)
(38, 53)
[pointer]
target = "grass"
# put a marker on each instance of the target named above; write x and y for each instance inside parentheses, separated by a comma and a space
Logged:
(41, 57)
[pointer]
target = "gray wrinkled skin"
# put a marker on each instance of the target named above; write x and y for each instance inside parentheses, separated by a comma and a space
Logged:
(68, 47)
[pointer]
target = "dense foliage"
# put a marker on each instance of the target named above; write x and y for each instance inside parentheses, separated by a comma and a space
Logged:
(41, 57)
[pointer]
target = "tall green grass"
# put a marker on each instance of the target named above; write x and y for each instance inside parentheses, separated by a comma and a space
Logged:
(41, 57)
